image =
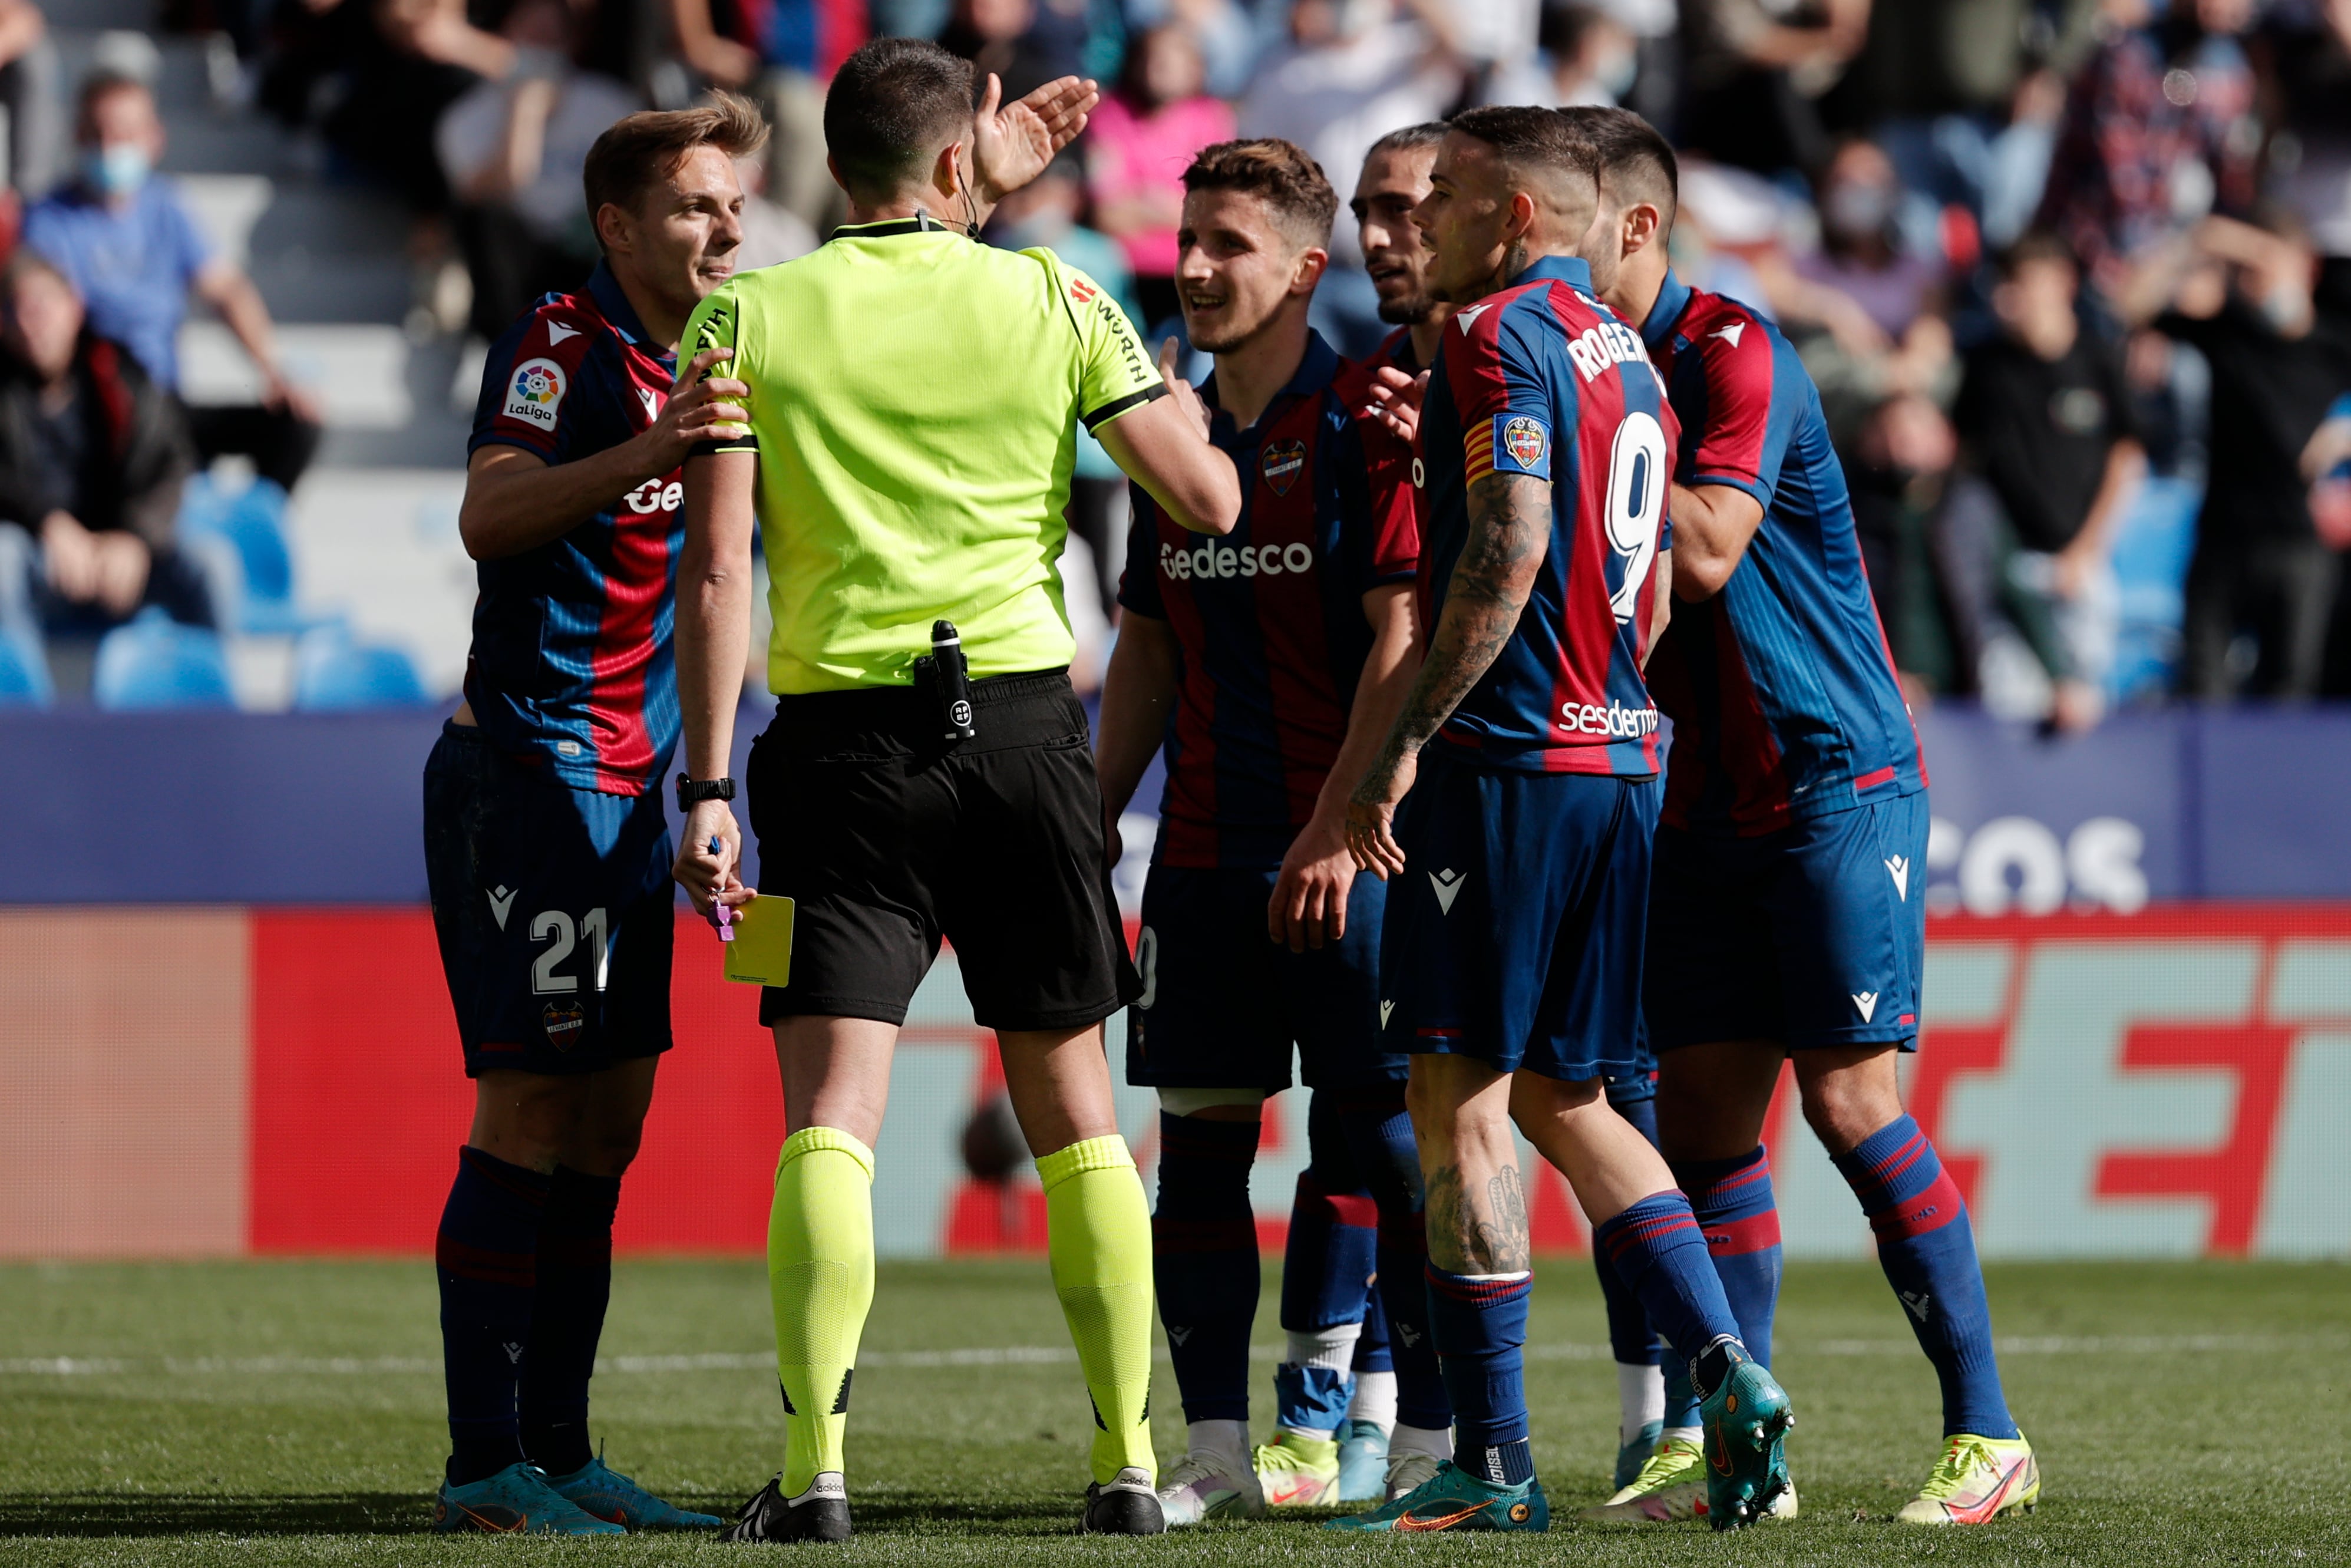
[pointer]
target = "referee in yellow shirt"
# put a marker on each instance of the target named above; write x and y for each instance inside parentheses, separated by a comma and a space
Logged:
(912, 414)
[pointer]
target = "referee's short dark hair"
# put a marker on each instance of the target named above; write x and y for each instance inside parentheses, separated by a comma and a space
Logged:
(1278, 172)
(1531, 139)
(640, 150)
(892, 106)
(1636, 163)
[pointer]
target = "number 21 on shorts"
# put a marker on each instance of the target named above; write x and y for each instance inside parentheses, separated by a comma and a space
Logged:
(554, 928)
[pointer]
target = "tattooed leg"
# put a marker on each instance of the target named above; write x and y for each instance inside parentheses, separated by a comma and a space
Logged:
(1477, 1208)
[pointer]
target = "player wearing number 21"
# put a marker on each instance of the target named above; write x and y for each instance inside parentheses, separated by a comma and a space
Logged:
(1514, 804)
(545, 846)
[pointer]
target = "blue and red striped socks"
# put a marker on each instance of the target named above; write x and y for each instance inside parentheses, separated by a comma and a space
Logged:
(1422, 1401)
(1480, 1323)
(1326, 1278)
(1928, 1249)
(1204, 1261)
(1733, 1203)
(1658, 1249)
(567, 1320)
(486, 1255)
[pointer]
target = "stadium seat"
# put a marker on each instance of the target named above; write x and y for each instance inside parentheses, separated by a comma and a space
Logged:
(24, 671)
(152, 662)
(2156, 536)
(253, 521)
(333, 673)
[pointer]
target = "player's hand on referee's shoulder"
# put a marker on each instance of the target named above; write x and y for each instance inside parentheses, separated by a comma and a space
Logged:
(698, 409)
(709, 854)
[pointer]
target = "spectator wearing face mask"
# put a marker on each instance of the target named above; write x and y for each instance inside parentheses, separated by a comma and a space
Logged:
(2052, 461)
(1879, 298)
(92, 458)
(135, 253)
(2242, 294)
(512, 152)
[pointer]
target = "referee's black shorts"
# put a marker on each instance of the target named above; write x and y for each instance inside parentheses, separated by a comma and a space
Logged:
(886, 840)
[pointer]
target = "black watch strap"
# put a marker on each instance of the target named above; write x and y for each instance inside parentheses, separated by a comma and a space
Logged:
(692, 792)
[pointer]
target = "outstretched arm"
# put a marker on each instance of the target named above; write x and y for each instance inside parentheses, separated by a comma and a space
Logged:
(1509, 534)
(714, 632)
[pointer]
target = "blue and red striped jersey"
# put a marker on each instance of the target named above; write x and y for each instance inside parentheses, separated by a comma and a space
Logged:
(1783, 694)
(1268, 620)
(571, 664)
(1542, 380)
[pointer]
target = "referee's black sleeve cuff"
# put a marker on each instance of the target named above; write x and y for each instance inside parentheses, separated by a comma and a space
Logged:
(732, 444)
(1132, 401)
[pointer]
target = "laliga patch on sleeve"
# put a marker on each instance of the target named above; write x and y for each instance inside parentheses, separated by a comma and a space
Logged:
(536, 392)
(1521, 445)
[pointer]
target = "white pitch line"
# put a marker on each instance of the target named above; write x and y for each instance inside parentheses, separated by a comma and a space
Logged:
(1055, 1355)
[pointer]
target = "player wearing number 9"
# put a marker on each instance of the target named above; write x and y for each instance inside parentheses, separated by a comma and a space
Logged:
(546, 848)
(1780, 922)
(1512, 959)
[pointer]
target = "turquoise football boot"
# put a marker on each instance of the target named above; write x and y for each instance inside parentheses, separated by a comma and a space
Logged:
(1363, 1462)
(1453, 1499)
(514, 1501)
(608, 1494)
(1747, 1420)
(1634, 1456)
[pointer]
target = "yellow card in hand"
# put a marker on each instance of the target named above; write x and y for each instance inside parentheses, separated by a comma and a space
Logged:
(761, 953)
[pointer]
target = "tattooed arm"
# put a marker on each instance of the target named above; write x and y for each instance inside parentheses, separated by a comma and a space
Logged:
(1509, 533)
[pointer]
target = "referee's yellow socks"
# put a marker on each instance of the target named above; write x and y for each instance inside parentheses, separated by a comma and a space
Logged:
(1098, 1231)
(820, 1281)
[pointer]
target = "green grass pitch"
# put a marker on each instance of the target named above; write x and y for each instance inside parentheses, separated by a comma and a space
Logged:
(257, 1413)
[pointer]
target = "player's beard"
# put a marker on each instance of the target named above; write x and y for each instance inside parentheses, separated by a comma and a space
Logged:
(1409, 312)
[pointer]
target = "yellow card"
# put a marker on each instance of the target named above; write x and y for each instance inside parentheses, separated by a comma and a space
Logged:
(761, 953)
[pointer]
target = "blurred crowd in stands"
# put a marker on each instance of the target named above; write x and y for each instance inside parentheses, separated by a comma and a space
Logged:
(2074, 276)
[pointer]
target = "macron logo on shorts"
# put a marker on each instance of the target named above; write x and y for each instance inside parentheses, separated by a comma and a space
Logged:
(1448, 884)
(501, 901)
(1900, 867)
(1866, 1004)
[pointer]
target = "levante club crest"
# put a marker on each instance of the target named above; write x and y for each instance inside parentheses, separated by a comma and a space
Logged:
(565, 1022)
(1281, 464)
(1523, 438)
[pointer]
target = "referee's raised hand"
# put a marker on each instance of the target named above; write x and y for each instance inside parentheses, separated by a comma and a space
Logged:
(1011, 145)
(698, 409)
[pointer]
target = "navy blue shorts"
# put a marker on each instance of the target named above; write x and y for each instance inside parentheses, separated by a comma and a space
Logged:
(1808, 936)
(1222, 1003)
(554, 910)
(1515, 936)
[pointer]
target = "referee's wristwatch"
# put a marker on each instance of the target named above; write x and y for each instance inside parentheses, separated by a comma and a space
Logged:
(692, 792)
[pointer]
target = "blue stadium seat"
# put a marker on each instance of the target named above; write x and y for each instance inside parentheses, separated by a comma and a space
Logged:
(152, 662)
(2152, 545)
(253, 522)
(24, 671)
(332, 672)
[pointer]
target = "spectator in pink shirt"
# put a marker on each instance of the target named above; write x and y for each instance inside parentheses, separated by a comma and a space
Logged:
(1142, 139)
